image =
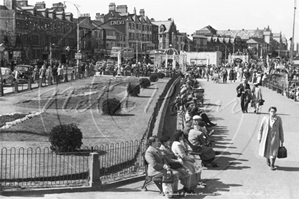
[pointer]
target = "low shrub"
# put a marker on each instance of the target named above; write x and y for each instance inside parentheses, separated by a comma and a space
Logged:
(65, 138)
(160, 75)
(153, 77)
(144, 82)
(111, 106)
(133, 89)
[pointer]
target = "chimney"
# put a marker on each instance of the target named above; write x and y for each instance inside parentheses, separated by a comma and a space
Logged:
(142, 12)
(40, 5)
(122, 8)
(21, 3)
(112, 7)
(134, 11)
(99, 17)
(11, 5)
(152, 19)
(85, 16)
(58, 6)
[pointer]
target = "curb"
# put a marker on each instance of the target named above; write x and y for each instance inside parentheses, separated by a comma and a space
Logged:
(102, 187)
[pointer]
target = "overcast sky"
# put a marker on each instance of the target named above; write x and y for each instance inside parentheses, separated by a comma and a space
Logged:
(191, 15)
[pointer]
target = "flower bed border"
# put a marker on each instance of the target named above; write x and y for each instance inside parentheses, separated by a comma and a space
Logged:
(20, 120)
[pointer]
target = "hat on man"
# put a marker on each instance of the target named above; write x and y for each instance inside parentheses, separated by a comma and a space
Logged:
(196, 117)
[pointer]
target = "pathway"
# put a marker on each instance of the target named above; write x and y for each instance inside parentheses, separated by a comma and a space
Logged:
(242, 173)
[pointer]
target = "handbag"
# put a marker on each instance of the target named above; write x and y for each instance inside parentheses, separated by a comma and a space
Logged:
(175, 165)
(168, 177)
(282, 152)
(261, 102)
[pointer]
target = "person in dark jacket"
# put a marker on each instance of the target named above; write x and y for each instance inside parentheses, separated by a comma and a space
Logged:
(244, 93)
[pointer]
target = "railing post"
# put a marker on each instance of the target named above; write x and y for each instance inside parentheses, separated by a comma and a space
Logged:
(72, 76)
(1, 89)
(41, 82)
(94, 170)
(16, 87)
(29, 84)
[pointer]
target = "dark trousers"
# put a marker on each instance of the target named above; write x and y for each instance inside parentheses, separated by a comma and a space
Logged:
(244, 103)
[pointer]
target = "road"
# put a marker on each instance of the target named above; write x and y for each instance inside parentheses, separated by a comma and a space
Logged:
(242, 173)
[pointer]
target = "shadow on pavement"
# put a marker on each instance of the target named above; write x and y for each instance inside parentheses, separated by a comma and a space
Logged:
(215, 186)
(288, 168)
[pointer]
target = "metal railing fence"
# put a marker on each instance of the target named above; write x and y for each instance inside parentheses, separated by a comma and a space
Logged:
(43, 168)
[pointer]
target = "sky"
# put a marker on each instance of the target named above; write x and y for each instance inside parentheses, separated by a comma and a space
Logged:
(192, 15)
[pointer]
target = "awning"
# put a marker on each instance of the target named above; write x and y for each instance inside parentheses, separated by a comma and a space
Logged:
(209, 39)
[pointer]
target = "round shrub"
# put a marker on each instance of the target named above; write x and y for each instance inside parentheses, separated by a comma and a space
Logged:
(144, 82)
(153, 77)
(133, 89)
(65, 138)
(111, 106)
(160, 75)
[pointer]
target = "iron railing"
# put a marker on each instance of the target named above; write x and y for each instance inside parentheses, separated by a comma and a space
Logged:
(291, 90)
(43, 168)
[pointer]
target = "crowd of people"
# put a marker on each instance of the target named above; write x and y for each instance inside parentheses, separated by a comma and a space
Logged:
(191, 147)
(195, 139)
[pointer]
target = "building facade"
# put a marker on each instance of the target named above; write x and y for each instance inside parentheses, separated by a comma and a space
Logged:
(36, 33)
(137, 30)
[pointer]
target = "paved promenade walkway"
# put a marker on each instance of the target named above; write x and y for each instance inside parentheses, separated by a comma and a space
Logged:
(242, 173)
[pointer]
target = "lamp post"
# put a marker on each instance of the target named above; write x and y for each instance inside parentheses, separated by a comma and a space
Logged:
(51, 46)
(78, 36)
(67, 63)
(293, 33)
(2, 48)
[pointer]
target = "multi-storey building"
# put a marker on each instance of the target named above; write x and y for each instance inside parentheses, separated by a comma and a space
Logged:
(257, 42)
(111, 37)
(36, 32)
(167, 34)
(138, 31)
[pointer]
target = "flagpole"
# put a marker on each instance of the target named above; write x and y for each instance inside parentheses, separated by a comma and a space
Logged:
(292, 42)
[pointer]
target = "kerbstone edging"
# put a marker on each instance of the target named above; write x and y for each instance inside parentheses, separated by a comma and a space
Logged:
(158, 128)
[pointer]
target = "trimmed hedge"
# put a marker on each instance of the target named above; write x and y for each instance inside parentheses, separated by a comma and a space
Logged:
(133, 89)
(144, 82)
(111, 106)
(65, 138)
(160, 75)
(153, 77)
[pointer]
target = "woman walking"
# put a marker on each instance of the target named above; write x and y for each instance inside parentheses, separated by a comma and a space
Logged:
(270, 137)
(256, 97)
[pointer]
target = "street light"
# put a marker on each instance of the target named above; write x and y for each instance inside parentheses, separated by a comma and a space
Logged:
(67, 64)
(51, 46)
(78, 15)
(2, 48)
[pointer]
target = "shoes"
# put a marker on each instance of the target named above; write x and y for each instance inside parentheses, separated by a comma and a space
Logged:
(202, 184)
(217, 152)
(273, 168)
(254, 111)
(212, 124)
(268, 162)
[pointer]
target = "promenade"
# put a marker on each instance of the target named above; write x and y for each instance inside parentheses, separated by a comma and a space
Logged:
(242, 173)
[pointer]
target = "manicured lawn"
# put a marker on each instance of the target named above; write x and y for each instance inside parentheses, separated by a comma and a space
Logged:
(100, 131)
